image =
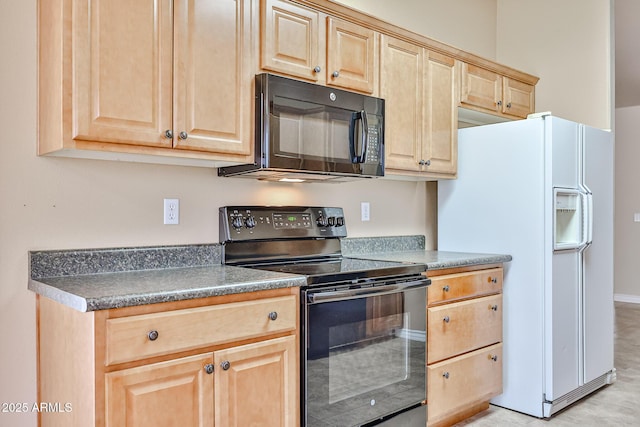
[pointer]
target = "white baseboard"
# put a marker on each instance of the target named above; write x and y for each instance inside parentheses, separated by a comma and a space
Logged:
(635, 299)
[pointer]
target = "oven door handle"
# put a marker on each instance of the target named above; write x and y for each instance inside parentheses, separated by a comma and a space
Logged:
(373, 291)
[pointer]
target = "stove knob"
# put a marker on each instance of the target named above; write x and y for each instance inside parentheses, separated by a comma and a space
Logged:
(237, 222)
(339, 221)
(331, 221)
(322, 221)
(250, 222)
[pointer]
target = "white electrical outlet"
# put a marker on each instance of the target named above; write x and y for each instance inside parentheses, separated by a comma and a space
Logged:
(365, 210)
(172, 211)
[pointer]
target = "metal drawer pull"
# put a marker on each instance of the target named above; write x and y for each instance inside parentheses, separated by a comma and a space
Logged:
(168, 134)
(273, 315)
(493, 357)
(335, 74)
(494, 307)
(225, 365)
(209, 368)
(446, 288)
(446, 375)
(153, 335)
(446, 319)
(183, 135)
(317, 69)
(493, 279)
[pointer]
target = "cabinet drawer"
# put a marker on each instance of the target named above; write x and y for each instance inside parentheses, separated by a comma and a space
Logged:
(464, 285)
(458, 382)
(463, 326)
(139, 337)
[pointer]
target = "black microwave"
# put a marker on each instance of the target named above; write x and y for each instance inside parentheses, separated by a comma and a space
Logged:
(307, 132)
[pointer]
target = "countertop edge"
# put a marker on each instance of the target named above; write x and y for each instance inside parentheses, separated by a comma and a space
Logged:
(133, 299)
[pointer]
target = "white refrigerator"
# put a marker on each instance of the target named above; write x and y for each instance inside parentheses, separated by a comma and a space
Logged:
(541, 190)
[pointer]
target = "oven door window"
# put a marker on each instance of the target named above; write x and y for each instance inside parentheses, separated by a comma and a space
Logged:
(365, 358)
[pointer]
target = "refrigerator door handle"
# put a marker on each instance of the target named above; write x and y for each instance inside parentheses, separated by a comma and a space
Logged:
(589, 219)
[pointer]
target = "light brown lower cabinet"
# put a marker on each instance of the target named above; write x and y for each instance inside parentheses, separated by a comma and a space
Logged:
(220, 361)
(464, 348)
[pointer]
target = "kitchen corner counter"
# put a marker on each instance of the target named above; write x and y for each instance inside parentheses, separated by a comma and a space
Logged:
(123, 289)
(100, 279)
(437, 260)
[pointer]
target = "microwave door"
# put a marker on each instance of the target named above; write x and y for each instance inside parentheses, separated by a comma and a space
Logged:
(309, 136)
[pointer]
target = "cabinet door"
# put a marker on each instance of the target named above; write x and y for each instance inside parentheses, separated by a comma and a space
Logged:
(173, 393)
(122, 75)
(290, 41)
(401, 85)
(351, 55)
(518, 98)
(462, 381)
(213, 90)
(256, 384)
(480, 88)
(440, 144)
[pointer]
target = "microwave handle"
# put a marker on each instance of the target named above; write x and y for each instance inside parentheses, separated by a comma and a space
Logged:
(362, 116)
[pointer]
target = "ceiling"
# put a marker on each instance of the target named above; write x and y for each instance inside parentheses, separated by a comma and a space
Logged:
(627, 53)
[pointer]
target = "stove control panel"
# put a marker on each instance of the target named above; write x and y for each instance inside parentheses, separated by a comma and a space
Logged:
(281, 222)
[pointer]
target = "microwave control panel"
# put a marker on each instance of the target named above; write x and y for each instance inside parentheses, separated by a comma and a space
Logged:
(373, 145)
(257, 223)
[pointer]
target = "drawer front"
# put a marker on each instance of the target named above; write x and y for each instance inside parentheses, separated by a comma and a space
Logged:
(138, 337)
(464, 285)
(464, 380)
(464, 326)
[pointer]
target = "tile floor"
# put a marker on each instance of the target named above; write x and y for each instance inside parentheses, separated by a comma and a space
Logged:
(615, 405)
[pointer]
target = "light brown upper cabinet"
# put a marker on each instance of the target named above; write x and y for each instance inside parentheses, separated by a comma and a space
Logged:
(420, 110)
(487, 91)
(146, 78)
(307, 44)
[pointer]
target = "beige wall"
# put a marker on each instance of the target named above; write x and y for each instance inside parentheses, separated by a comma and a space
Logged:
(568, 45)
(466, 24)
(627, 196)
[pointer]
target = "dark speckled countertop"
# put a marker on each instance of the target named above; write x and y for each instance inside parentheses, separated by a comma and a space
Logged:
(438, 260)
(98, 279)
(122, 289)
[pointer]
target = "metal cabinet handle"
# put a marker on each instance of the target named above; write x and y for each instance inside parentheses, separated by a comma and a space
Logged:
(493, 357)
(335, 74)
(153, 335)
(492, 279)
(499, 103)
(273, 315)
(317, 69)
(446, 375)
(225, 365)
(446, 319)
(446, 288)
(168, 134)
(183, 135)
(509, 105)
(494, 307)
(423, 162)
(208, 368)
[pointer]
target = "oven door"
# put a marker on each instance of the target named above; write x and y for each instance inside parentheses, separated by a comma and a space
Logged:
(364, 351)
